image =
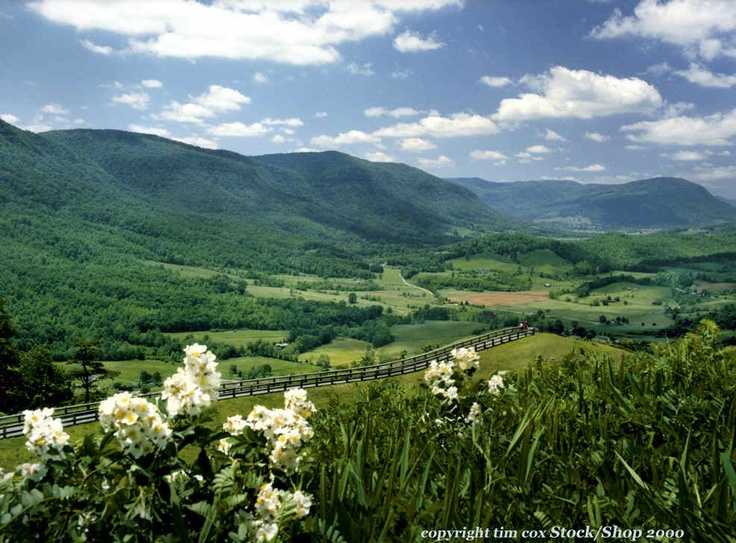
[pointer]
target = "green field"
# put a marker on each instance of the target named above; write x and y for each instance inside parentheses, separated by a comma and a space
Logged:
(236, 338)
(510, 356)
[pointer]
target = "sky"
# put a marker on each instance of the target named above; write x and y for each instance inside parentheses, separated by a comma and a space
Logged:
(596, 91)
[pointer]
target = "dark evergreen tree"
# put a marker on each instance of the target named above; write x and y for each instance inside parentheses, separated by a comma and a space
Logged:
(9, 360)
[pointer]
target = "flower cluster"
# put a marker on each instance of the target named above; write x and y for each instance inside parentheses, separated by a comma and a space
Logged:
(439, 378)
(495, 384)
(46, 435)
(195, 386)
(286, 429)
(137, 423)
(269, 505)
(466, 359)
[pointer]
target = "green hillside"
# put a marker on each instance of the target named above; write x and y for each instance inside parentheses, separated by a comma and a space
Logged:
(662, 202)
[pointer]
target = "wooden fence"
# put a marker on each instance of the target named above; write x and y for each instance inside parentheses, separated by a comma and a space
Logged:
(70, 415)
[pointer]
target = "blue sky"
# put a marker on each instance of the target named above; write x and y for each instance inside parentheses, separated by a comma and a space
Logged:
(602, 91)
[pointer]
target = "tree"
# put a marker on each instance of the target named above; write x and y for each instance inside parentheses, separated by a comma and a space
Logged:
(9, 359)
(91, 370)
(42, 384)
(352, 298)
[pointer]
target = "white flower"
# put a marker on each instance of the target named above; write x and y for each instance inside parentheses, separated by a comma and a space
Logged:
(466, 359)
(195, 386)
(495, 384)
(474, 413)
(303, 503)
(46, 436)
(34, 471)
(137, 423)
(234, 425)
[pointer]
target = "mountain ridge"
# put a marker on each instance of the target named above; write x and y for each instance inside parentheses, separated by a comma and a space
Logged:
(655, 203)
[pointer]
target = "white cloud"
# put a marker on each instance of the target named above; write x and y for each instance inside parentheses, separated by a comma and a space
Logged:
(398, 74)
(37, 127)
(361, 69)
(688, 155)
(579, 94)
(709, 131)
(417, 145)
(487, 155)
(701, 76)
(198, 141)
(320, 115)
(151, 83)
(595, 136)
(551, 135)
(8, 118)
(300, 33)
(396, 113)
(54, 109)
(379, 156)
(99, 49)
(136, 100)
(291, 122)
(495, 81)
(260, 77)
(434, 125)
(238, 129)
(441, 161)
(412, 42)
(216, 100)
(591, 168)
(155, 130)
(538, 149)
(695, 25)
(712, 173)
(345, 138)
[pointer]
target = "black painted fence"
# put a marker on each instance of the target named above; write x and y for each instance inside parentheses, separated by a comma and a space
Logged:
(12, 425)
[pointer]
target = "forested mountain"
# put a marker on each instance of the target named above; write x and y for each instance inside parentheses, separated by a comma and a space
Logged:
(662, 202)
(88, 216)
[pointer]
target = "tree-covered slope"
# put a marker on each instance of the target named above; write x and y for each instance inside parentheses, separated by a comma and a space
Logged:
(662, 202)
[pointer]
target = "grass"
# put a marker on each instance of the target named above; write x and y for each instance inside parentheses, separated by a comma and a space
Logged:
(510, 356)
(236, 338)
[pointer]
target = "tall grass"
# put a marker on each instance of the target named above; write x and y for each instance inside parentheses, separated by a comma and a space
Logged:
(643, 443)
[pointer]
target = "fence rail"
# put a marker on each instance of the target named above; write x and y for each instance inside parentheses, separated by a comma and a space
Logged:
(71, 415)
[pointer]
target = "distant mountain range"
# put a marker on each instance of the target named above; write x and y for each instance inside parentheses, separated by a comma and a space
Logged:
(662, 202)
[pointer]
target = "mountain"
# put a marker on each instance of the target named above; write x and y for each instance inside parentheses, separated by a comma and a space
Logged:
(662, 202)
(167, 201)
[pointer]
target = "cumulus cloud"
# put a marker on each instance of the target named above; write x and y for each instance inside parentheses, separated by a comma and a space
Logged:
(292, 122)
(54, 109)
(487, 155)
(379, 156)
(701, 76)
(99, 49)
(238, 129)
(437, 126)
(591, 168)
(413, 42)
(538, 149)
(365, 69)
(151, 83)
(346, 138)
(155, 130)
(441, 161)
(215, 101)
(580, 94)
(700, 27)
(495, 81)
(595, 136)
(551, 135)
(9, 118)
(712, 130)
(397, 112)
(198, 141)
(136, 100)
(417, 145)
(688, 155)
